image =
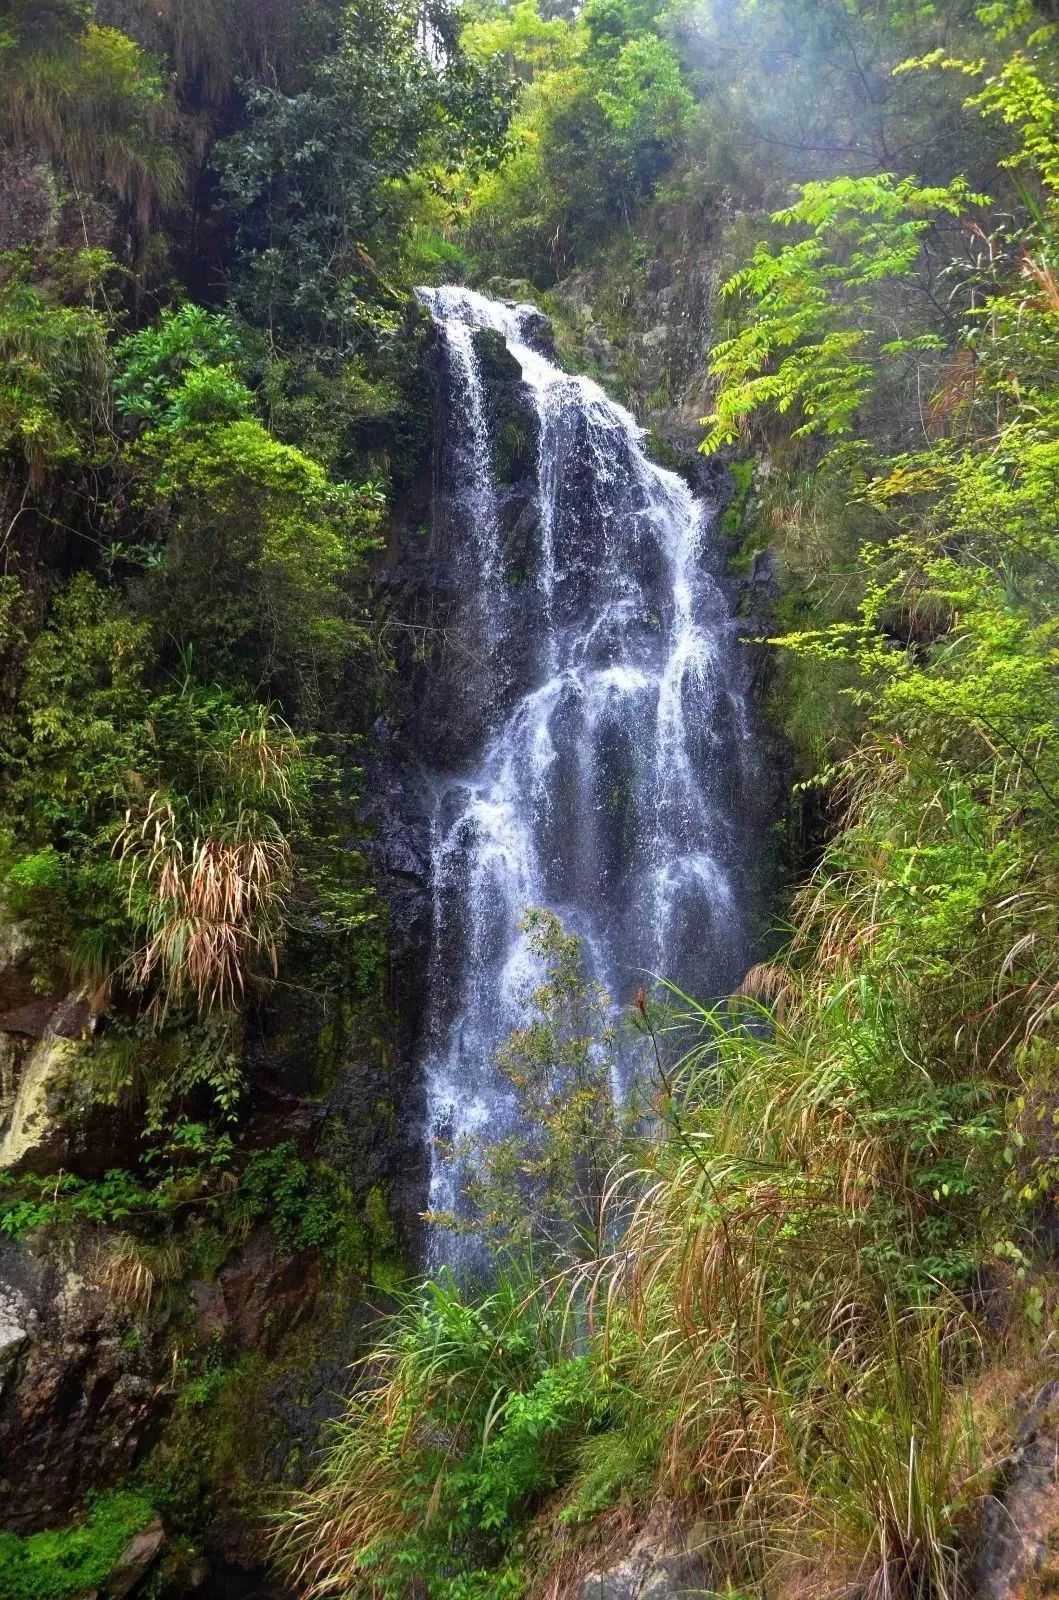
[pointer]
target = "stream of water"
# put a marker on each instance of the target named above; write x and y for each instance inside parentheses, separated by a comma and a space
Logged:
(607, 783)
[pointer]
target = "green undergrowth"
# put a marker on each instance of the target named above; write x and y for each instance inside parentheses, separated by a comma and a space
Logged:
(191, 1217)
(76, 1560)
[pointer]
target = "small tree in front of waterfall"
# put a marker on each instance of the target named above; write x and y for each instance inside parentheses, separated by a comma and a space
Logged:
(539, 1191)
(478, 1409)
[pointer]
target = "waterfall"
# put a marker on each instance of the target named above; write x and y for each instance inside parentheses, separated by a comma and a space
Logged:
(607, 780)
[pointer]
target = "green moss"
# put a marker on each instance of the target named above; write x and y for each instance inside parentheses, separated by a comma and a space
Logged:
(663, 452)
(74, 1560)
(732, 522)
(211, 1457)
(388, 1268)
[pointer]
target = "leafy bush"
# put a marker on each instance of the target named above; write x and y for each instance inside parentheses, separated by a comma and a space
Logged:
(53, 369)
(539, 1192)
(321, 178)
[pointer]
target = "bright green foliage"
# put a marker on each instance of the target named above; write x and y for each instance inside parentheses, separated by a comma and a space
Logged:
(244, 506)
(245, 516)
(475, 1413)
(156, 366)
(182, 565)
(114, 1198)
(530, 42)
(601, 121)
(72, 1561)
(538, 1194)
(1019, 94)
(808, 346)
(310, 1207)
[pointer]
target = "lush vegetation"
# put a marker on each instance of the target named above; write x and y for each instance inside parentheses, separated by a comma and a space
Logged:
(197, 447)
(51, 1566)
(782, 1304)
(813, 1287)
(211, 220)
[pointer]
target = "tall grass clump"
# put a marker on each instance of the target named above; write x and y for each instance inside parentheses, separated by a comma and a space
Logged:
(469, 1413)
(91, 99)
(209, 888)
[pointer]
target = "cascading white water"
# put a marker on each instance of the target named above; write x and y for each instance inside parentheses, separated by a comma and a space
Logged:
(606, 780)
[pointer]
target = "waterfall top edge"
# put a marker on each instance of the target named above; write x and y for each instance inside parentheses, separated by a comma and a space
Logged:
(450, 304)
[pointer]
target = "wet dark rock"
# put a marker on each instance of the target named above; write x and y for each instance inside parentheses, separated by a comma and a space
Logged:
(76, 1407)
(658, 275)
(258, 1297)
(265, 1293)
(29, 206)
(538, 332)
(764, 568)
(45, 1017)
(14, 1337)
(282, 1053)
(446, 694)
(49, 1122)
(16, 966)
(47, 1119)
(376, 1136)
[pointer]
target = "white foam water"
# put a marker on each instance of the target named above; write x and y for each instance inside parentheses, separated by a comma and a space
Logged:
(604, 789)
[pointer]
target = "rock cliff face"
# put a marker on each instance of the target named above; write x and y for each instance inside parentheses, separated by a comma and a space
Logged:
(1018, 1547)
(77, 1407)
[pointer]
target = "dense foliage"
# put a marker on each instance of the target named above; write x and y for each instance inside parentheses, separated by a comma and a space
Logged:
(191, 493)
(766, 1299)
(841, 1222)
(211, 220)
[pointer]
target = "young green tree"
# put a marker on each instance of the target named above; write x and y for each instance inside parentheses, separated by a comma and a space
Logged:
(538, 1195)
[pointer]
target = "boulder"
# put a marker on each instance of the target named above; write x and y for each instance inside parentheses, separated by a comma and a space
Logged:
(663, 1565)
(45, 1017)
(135, 1561)
(658, 275)
(620, 1583)
(29, 206)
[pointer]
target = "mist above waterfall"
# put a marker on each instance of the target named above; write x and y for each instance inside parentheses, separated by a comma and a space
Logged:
(613, 736)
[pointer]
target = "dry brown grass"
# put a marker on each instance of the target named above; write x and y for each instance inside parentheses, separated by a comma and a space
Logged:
(212, 906)
(130, 1272)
